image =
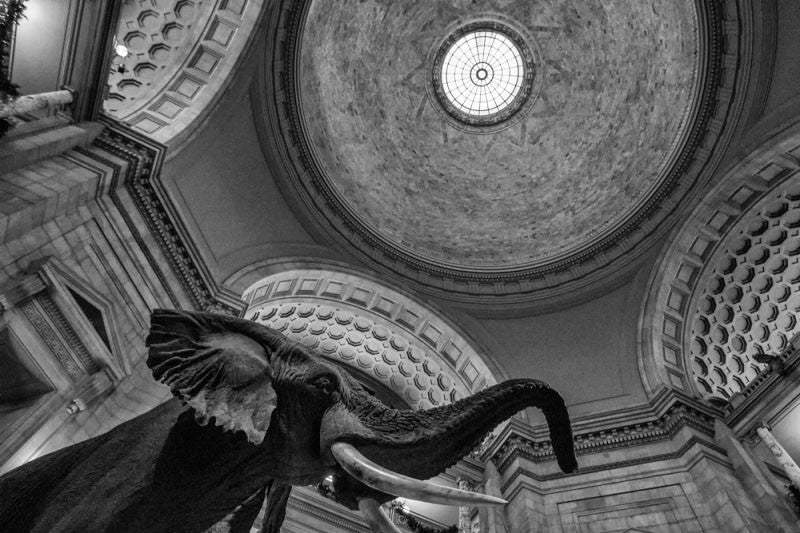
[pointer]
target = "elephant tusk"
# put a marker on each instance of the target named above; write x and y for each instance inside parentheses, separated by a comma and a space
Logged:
(376, 518)
(396, 484)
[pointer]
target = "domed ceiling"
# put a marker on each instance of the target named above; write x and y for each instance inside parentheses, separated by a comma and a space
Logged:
(611, 123)
(618, 84)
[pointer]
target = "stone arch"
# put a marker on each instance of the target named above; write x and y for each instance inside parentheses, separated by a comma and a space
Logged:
(727, 285)
(402, 344)
(181, 55)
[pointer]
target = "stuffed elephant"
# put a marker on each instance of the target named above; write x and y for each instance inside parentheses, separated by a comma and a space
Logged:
(255, 413)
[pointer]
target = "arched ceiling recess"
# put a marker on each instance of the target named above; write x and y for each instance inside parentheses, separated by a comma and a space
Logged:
(630, 111)
(374, 330)
(180, 55)
(728, 285)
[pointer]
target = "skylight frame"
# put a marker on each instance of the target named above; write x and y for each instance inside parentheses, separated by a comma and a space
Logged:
(479, 113)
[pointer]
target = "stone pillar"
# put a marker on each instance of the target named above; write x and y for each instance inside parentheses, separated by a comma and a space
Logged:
(35, 102)
(774, 507)
(464, 525)
(788, 464)
(492, 518)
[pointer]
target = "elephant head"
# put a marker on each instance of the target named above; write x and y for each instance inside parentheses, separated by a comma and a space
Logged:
(265, 413)
(247, 377)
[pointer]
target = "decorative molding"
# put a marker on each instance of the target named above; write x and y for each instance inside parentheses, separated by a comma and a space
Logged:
(710, 132)
(606, 467)
(67, 332)
(664, 427)
(144, 158)
(36, 316)
(63, 284)
(46, 305)
(725, 287)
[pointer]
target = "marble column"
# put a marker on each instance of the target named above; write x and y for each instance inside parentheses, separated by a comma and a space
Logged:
(492, 518)
(788, 464)
(464, 525)
(35, 102)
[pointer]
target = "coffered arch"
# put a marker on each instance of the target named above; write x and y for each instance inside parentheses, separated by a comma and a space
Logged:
(396, 341)
(177, 58)
(728, 283)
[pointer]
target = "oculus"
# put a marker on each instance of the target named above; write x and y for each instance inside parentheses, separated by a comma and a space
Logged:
(482, 74)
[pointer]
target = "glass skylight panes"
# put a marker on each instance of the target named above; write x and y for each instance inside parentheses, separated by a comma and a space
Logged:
(482, 73)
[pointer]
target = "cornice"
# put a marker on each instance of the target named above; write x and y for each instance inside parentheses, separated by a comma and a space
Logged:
(668, 414)
(605, 467)
(523, 287)
(141, 179)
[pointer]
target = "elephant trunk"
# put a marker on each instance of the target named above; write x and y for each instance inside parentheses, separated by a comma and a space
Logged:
(421, 444)
(454, 430)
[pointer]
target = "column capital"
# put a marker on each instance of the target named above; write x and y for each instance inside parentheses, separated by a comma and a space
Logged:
(763, 424)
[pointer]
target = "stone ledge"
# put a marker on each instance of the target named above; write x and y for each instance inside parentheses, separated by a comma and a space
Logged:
(19, 152)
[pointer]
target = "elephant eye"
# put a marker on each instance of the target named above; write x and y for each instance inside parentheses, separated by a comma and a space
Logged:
(323, 383)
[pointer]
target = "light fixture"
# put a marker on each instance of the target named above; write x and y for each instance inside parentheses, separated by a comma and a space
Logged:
(120, 53)
(121, 50)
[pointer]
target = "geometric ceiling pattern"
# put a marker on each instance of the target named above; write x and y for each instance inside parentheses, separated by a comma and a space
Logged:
(751, 296)
(179, 55)
(370, 348)
(727, 286)
(373, 330)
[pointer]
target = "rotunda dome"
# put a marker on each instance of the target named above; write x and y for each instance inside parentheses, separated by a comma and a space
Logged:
(494, 151)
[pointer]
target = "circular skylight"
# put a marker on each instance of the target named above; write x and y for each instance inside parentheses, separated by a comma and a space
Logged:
(482, 72)
(482, 75)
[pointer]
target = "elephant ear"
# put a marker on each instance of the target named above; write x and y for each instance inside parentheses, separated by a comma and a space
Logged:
(217, 364)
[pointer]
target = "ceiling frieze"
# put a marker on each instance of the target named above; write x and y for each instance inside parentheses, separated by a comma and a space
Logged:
(693, 441)
(523, 286)
(662, 428)
(669, 413)
(136, 185)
